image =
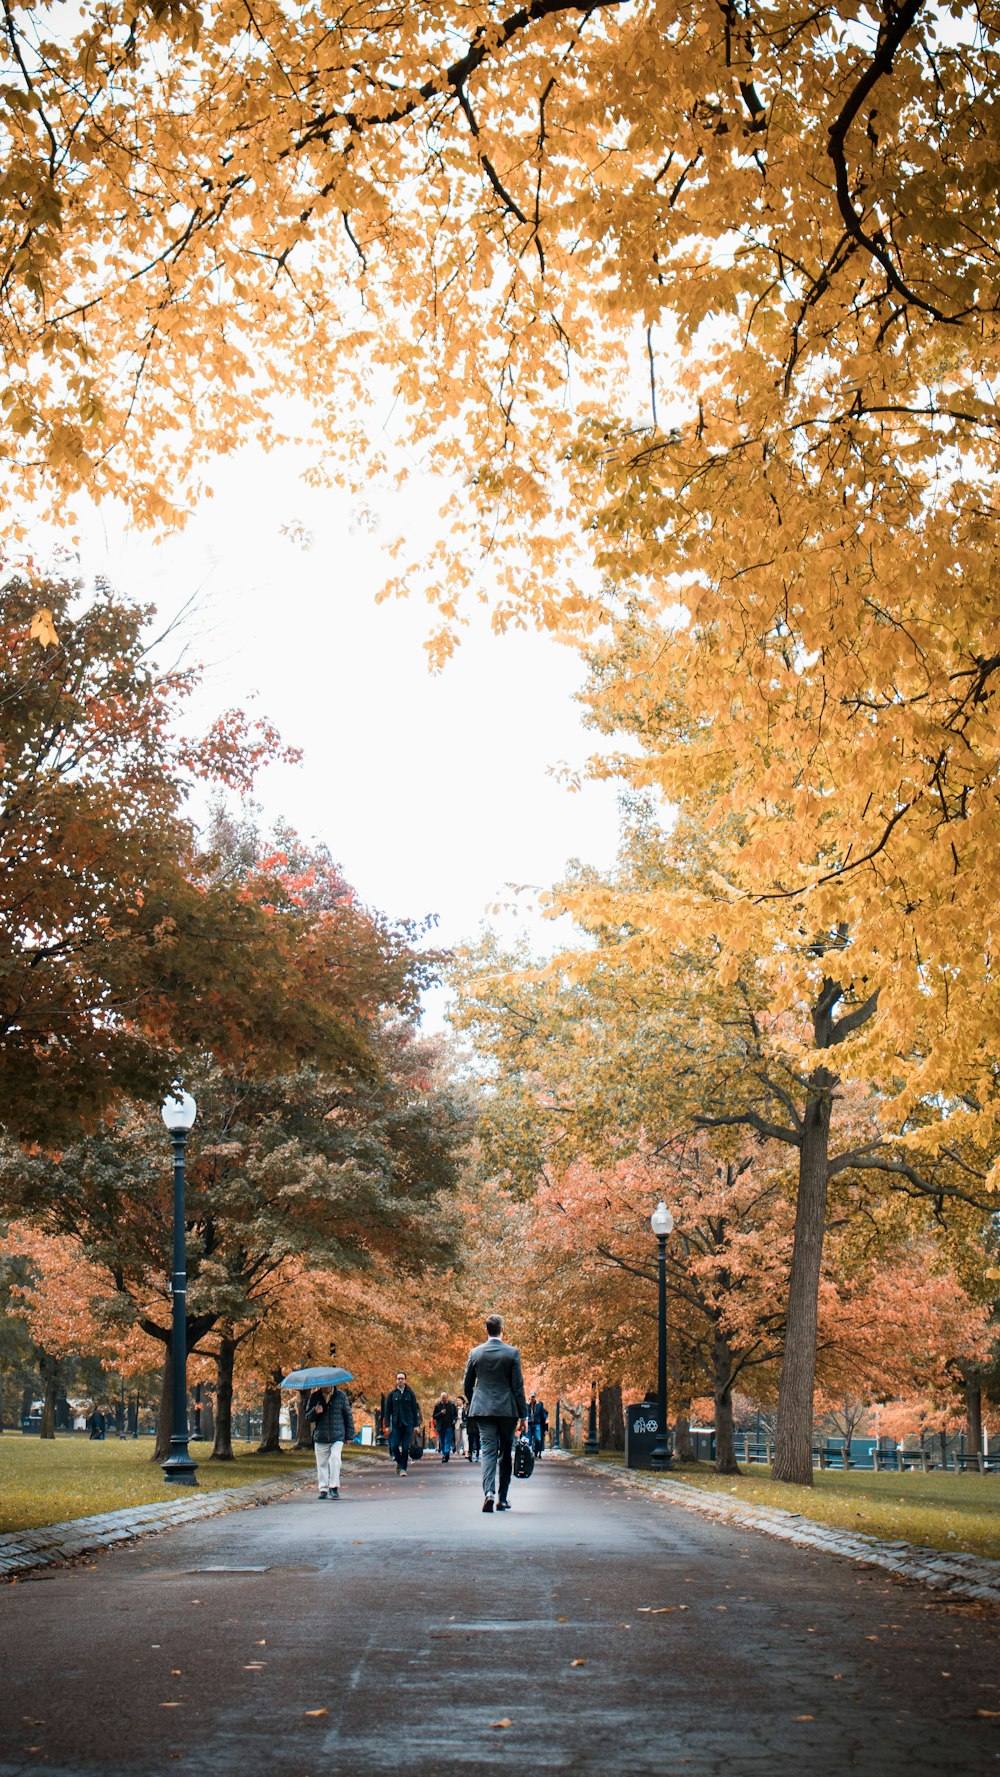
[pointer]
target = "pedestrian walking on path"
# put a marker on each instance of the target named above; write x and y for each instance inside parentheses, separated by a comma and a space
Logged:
(538, 1419)
(329, 1413)
(494, 1387)
(445, 1417)
(402, 1417)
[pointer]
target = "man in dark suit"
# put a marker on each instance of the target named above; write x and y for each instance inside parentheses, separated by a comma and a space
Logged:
(494, 1389)
(401, 1415)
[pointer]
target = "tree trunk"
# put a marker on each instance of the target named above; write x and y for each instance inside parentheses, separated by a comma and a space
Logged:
(270, 1427)
(683, 1443)
(974, 1411)
(1, 1403)
(725, 1431)
(50, 1377)
(611, 1417)
(207, 1415)
(793, 1443)
(27, 1395)
(164, 1418)
(304, 1438)
(196, 1431)
(222, 1448)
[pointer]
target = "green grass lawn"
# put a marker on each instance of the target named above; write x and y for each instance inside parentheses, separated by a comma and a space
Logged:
(938, 1511)
(72, 1477)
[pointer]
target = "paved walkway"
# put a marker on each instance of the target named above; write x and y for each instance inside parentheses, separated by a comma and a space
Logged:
(959, 1575)
(589, 1630)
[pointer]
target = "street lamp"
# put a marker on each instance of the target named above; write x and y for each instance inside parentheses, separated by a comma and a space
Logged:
(661, 1222)
(591, 1445)
(179, 1112)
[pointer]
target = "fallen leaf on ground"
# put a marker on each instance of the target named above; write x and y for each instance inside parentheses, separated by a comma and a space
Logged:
(317, 1712)
(504, 1722)
(578, 1662)
(662, 1609)
(995, 1713)
(169, 1705)
(562, 1619)
(255, 1666)
(803, 1718)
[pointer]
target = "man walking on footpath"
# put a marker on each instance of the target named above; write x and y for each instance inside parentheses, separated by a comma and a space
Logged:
(402, 1416)
(538, 1419)
(445, 1415)
(329, 1413)
(494, 1389)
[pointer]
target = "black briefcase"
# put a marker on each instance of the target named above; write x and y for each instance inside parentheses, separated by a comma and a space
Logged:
(524, 1459)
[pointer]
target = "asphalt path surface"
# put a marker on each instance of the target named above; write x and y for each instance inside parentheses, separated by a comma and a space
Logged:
(399, 1629)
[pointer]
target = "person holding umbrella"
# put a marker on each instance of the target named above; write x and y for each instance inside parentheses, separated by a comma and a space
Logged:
(329, 1413)
(328, 1410)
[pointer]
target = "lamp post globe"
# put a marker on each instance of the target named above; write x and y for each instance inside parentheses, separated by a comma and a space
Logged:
(179, 1112)
(661, 1221)
(661, 1457)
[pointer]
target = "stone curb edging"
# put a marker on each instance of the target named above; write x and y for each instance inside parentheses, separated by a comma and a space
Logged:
(24, 1551)
(974, 1577)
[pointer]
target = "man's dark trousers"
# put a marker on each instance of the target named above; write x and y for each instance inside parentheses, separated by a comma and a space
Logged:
(497, 1439)
(399, 1449)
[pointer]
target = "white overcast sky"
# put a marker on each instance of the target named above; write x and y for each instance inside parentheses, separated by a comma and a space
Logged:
(435, 792)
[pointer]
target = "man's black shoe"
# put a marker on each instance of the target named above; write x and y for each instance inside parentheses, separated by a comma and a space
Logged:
(487, 1505)
(503, 1505)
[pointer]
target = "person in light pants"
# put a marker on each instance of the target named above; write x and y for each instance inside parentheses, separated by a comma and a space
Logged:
(329, 1411)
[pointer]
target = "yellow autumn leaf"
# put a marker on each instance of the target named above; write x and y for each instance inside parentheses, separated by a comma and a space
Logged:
(43, 629)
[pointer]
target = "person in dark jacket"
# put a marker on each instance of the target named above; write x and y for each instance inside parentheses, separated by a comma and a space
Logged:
(445, 1417)
(538, 1420)
(494, 1386)
(402, 1416)
(329, 1413)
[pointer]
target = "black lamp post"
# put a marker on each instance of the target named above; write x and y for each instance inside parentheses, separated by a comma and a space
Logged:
(591, 1446)
(179, 1112)
(661, 1456)
(556, 1443)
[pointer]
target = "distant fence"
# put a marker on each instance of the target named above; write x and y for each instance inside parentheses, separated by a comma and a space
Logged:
(865, 1453)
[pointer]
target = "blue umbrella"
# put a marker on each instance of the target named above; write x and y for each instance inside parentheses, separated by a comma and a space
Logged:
(321, 1377)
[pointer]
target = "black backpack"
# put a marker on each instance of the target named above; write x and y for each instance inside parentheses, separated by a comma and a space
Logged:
(524, 1459)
